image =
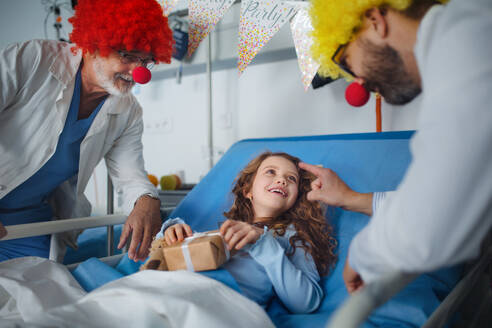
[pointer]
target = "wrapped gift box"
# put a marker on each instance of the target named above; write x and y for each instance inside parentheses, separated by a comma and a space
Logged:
(200, 252)
(156, 259)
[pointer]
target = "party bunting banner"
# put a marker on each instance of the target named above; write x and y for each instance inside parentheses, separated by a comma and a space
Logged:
(301, 27)
(167, 6)
(260, 20)
(203, 15)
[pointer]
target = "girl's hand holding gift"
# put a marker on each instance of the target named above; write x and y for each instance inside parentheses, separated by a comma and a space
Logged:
(177, 233)
(238, 234)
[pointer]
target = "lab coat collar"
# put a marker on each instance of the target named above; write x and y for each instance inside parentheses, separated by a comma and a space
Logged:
(117, 104)
(425, 37)
(64, 68)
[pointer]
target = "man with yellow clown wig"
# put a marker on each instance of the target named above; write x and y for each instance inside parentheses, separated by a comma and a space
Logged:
(64, 107)
(442, 210)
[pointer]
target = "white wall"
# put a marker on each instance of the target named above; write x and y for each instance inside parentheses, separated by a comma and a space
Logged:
(268, 100)
(22, 20)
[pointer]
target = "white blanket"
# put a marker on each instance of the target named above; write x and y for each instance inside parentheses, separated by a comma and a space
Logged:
(37, 292)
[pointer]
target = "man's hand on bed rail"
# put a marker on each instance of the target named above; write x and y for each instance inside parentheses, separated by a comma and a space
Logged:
(3, 231)
(353, 281)
(143, 223)
(331, 190)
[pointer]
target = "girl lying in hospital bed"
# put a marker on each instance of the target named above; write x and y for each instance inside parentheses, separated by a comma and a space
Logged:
(282, 240)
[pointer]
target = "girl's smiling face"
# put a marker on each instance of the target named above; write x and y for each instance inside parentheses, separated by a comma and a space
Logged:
(275, 187)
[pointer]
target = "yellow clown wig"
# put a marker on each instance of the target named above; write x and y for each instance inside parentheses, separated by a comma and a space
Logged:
(334, 23)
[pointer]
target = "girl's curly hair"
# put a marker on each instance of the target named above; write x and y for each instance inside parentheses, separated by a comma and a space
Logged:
(314, 234)
(109, 25)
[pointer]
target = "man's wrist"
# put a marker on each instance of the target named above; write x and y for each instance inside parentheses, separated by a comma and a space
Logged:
(148, 197)
(358, 202)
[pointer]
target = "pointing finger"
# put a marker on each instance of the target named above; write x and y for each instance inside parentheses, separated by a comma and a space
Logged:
(316, 170)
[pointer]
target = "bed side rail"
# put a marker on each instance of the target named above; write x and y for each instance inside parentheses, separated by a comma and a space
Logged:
(355, 311)
(51, 227)
(357, 308)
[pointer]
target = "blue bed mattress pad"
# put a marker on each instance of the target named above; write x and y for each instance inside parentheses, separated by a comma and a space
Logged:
(366, 162)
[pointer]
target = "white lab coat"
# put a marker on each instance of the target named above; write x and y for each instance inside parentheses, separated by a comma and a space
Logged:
(37, 81)
(443, 207)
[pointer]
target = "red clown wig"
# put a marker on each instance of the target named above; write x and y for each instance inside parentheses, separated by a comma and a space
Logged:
(131, 25)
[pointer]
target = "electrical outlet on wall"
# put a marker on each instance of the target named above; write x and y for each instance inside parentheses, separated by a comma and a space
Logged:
(225, 120)
(164, 125)
(159, 126)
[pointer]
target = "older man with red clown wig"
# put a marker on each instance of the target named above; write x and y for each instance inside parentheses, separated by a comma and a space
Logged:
(442, 209)
(64, 107)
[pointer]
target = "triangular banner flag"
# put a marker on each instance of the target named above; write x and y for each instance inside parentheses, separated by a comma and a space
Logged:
(301, 27)
(259, 22)
(167, 6)
(203, 15)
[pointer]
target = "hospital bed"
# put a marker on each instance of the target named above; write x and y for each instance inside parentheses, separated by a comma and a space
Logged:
(367, 162)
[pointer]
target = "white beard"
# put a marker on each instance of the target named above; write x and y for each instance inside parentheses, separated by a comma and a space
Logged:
(109, 84)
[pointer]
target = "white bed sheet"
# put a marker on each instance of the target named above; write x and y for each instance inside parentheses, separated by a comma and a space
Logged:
(37, 292)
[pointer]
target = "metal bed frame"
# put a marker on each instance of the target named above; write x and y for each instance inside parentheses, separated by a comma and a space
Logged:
(358, 307)
(351, 314)
(355, 310)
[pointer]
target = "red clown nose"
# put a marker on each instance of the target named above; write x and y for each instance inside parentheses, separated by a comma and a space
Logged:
(141, 75)
(356, 95)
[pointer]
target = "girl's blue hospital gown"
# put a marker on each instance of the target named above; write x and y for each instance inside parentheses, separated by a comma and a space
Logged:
(263, 270)
(28, 202)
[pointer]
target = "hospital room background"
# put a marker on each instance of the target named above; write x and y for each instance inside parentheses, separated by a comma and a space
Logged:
(267, 100)
(192, 120)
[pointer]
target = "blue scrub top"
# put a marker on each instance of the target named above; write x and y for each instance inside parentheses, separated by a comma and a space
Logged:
(29, 201)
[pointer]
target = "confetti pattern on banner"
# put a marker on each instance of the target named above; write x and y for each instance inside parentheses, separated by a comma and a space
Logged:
(203, 15)
(260, 20)
(167, 6)
(301, 27)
